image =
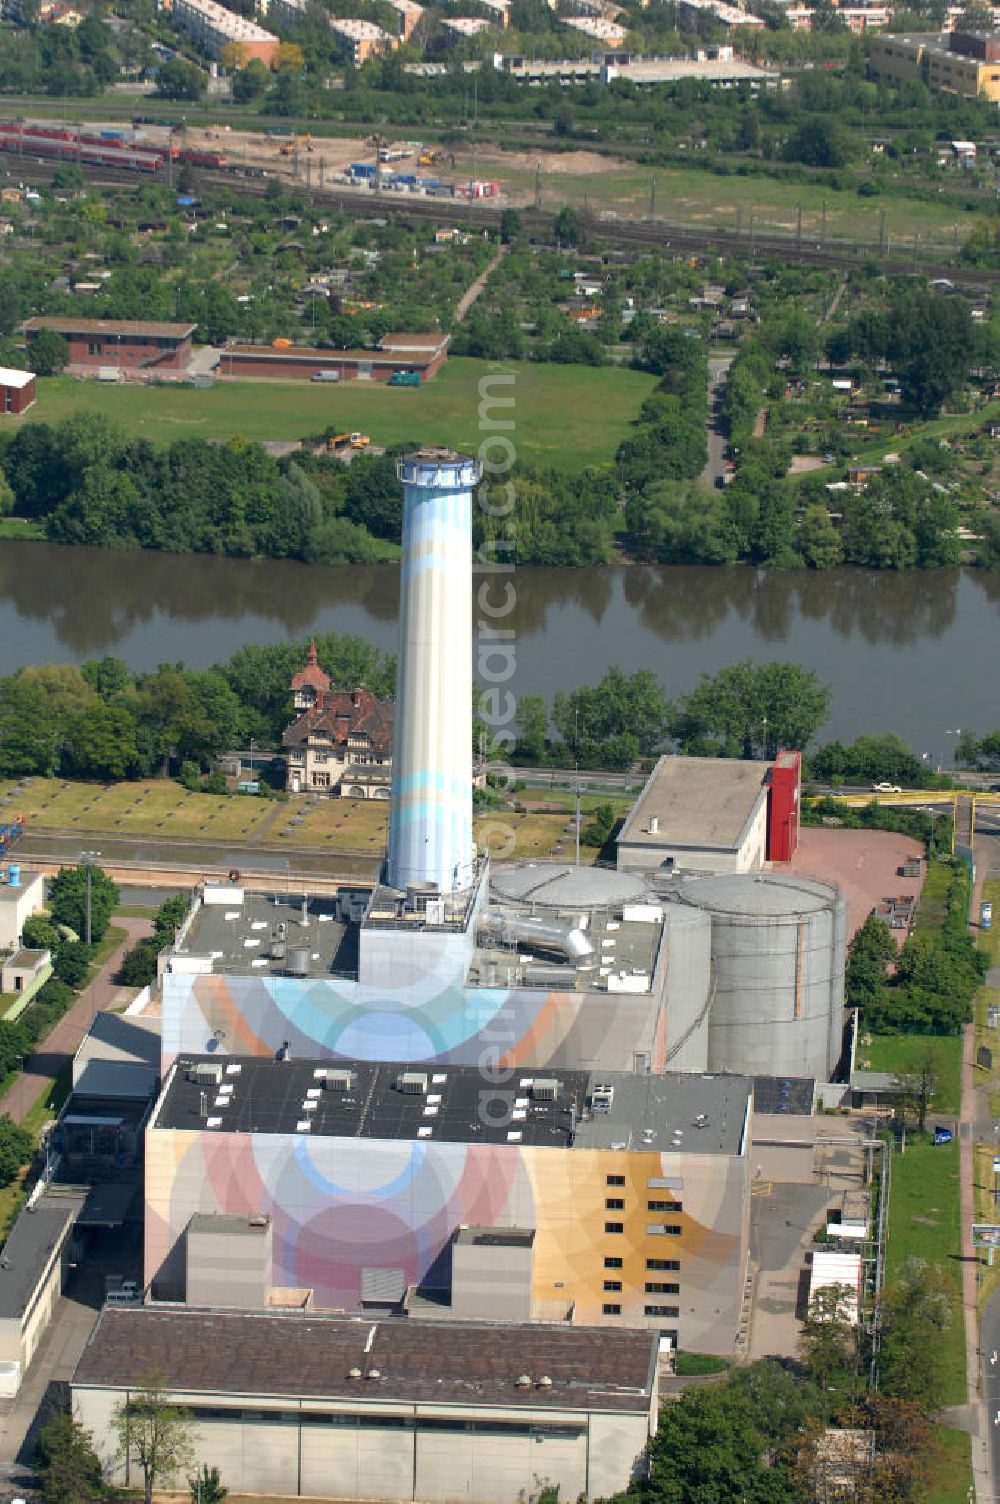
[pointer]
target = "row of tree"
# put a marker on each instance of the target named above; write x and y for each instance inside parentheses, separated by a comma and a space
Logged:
(745, 710)
(102, 721)
(927, 986)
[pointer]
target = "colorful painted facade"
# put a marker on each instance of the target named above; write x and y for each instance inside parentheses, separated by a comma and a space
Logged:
(425, 1016)
(340, 1207)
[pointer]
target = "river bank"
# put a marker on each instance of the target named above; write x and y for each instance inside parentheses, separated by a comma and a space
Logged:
(901, 651)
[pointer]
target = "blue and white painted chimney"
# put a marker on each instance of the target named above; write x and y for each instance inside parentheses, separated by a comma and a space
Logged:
(430, 818)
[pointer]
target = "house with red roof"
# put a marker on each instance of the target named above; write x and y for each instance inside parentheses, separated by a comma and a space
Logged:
(340, 742)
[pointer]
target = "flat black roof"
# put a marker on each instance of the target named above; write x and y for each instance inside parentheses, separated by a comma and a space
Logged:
(361, 1362)
(27, 1251)
(454, 1104)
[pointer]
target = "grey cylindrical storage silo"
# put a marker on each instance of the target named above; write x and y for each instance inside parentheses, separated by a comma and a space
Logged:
(777, 988)
(688, 939)
(839, 972)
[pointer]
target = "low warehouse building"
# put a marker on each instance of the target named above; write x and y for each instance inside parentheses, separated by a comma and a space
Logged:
(32, 1271)
(397, 354)
(309, 1406)
(17, 390)
(117, 345)
(713, 814)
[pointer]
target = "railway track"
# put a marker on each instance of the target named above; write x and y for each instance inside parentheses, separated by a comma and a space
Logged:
(625, 234)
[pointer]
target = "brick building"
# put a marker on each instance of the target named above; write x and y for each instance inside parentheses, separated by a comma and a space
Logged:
(118, 344)
(17, 390)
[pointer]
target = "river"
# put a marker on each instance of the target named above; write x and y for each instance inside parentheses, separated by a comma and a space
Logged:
(914, 653)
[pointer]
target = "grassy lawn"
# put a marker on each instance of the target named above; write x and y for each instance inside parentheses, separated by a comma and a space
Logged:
(902, 1053)
(694, 196)
(989, 940)
(568, 416)
(925, 1222)
(161, 807)
(952, 1467)
(156, 806)
(20, 528)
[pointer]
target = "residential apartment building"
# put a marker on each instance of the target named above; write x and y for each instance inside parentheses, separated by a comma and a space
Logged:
(966, 64)
(216, 28)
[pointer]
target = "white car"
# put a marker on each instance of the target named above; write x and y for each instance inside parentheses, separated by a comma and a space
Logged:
(886, 788)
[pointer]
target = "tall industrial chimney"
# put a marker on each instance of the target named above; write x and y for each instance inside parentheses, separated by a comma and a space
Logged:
(430, 818)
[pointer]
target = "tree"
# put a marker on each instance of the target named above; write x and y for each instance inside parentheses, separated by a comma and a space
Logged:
(138, 968)
(917, 1089)
(67, 1466)
(39, 933)
(533, 721)
(751, 710)
(828, 1341)
(250, 82)
(567, 226)
(153, 1433)
(729, 1443)
(818, 143)
(616, 721)
(511, 226)
(68, 900)
(917, 1307)
(72, 963)
(816, 538)
(16, 1149)
(48, 352)
(868, 957)
(179, 80)
(207, 1487)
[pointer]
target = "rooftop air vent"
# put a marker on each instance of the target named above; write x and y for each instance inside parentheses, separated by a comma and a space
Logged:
(412, 1083)
(545, 1382)
(523, 1381)
(374, 1373)
(207, 1073)
(545, 1088)
(354, 1373)
(337, 1080)
(602, 1096)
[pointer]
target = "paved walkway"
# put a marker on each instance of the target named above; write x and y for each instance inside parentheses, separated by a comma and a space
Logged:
(42, 1067)
(470, 294)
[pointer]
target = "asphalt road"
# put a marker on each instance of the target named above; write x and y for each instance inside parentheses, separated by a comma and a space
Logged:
(718, 372)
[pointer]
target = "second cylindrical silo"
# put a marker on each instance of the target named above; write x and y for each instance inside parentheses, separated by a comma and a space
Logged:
(778, 972)
(688, 939)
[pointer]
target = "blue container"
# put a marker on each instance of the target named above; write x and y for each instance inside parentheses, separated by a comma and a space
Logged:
(986, 916)
(362, 170)
(14, 875)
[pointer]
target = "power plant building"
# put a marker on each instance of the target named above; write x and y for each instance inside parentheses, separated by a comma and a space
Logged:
(475, 1091)
(612, 1199)
(713, 814)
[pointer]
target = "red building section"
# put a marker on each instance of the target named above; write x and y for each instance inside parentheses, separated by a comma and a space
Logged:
(119, 344)
(17, 390)
(397, 353)
(783, 807)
